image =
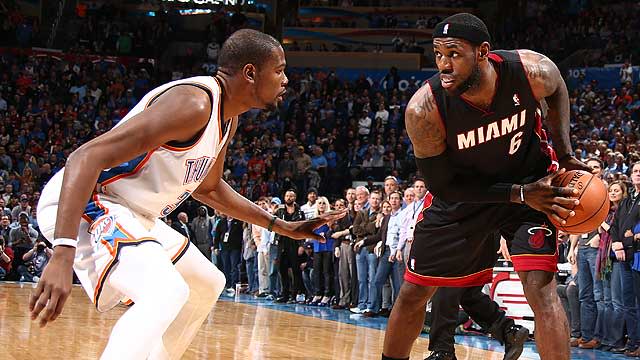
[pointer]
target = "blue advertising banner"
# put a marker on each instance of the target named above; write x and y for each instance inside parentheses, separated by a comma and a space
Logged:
(607, 77)
(377, 78)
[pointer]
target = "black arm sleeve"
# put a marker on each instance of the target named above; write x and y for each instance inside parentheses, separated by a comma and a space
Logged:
(444, 182)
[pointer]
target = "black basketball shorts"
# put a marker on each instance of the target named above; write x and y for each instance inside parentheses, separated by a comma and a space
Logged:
(454, 244)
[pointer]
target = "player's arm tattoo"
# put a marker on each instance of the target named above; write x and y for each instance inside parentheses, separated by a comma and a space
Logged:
(424, 125)
(547, 83)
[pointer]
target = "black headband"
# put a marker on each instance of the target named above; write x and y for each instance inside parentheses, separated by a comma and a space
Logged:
(468, 32)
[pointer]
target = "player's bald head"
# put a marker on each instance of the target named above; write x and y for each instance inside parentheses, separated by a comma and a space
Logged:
(244, 47)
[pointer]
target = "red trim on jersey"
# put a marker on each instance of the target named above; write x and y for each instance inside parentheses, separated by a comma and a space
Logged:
(476, 279)
(495, 57)
(426, 204)
(544, 143)
(532, 262)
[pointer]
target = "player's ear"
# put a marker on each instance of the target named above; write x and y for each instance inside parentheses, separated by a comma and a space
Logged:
(483, 50)
(249, 73)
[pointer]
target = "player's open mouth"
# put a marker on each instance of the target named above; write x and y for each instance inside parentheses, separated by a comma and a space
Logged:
(446, 81)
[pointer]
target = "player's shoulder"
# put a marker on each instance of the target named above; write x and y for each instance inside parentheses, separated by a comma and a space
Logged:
(423, 103)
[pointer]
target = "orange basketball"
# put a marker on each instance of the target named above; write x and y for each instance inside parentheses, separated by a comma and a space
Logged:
(594, 201)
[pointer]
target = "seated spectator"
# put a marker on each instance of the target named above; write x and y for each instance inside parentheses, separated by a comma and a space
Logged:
(6, 258)
(35, 260)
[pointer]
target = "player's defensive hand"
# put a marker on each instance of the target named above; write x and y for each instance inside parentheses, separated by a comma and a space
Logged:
(555, 201)
(304, 229)
(54, 286)
(571, 163)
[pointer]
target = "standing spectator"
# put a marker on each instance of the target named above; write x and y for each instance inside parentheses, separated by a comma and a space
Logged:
(275, 283)
(303, 164)
(346, 257)
(251, 262)
(409, 219)
(366, 223)
(350, 198)
(6, 258)
(228, 239)
(390, 186)
(288, 251)
(262, 248)
(362, 197)
(622, 292)
(589, 286)
(182, 225)
(310, 207)
(568, 293)
(382, 116)
(613, 317)
(322, 258)
(201, 228)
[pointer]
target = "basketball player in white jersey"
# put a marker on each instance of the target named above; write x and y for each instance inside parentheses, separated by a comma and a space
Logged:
(101, 212)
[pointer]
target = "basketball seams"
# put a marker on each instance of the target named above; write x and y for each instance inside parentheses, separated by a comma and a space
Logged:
(572, 228)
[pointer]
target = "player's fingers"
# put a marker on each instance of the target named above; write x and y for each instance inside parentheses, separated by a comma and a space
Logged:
(566, 202)
(551, 176)
(35, 295)
(61, 301)
(563, 212)
(564, 191)
(41, 303)
(50, 309)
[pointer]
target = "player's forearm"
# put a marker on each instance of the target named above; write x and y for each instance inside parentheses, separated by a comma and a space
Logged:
(226, 200)
(558, 119)
(80, 178)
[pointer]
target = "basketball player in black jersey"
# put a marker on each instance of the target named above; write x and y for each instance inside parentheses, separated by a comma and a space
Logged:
(478, 139)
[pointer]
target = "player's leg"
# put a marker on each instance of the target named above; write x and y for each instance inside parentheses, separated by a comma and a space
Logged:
(487, 314)
(444, 310)
(205, 283)
(552, 329)
(406, 319)
(534, 257)
(146, 275)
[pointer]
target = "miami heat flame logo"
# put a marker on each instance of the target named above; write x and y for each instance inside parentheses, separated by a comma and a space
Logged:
(538, 233)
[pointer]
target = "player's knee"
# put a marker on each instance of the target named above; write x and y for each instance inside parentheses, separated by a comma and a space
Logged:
(215, 284)
(175, 293)
(414, 295)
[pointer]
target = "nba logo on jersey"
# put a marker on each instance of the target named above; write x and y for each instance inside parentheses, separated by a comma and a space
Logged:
(516, 100)
(413, 264)
(446, 29)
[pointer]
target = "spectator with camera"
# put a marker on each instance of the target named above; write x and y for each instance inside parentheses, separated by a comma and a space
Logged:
(35, 260)
(22, 238)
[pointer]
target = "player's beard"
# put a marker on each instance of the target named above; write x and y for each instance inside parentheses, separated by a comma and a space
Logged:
(471, 81)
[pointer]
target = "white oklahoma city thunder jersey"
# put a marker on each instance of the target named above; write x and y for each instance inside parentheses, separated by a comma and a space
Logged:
(155, 183)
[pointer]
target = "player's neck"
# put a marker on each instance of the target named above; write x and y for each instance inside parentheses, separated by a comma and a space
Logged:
(482, 93)
(234, 101)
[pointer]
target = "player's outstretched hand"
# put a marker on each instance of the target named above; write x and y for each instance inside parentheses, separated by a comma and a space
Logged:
(54, 286)
(304, 229)
(571, 163)
(555, 201)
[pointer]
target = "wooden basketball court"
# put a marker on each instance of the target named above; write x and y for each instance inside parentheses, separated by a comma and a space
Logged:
(233, 331)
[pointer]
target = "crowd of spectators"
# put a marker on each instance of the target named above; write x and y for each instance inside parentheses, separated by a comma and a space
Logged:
(297, 162)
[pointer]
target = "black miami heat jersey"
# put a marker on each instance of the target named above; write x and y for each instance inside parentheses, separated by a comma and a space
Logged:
(505, 143)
